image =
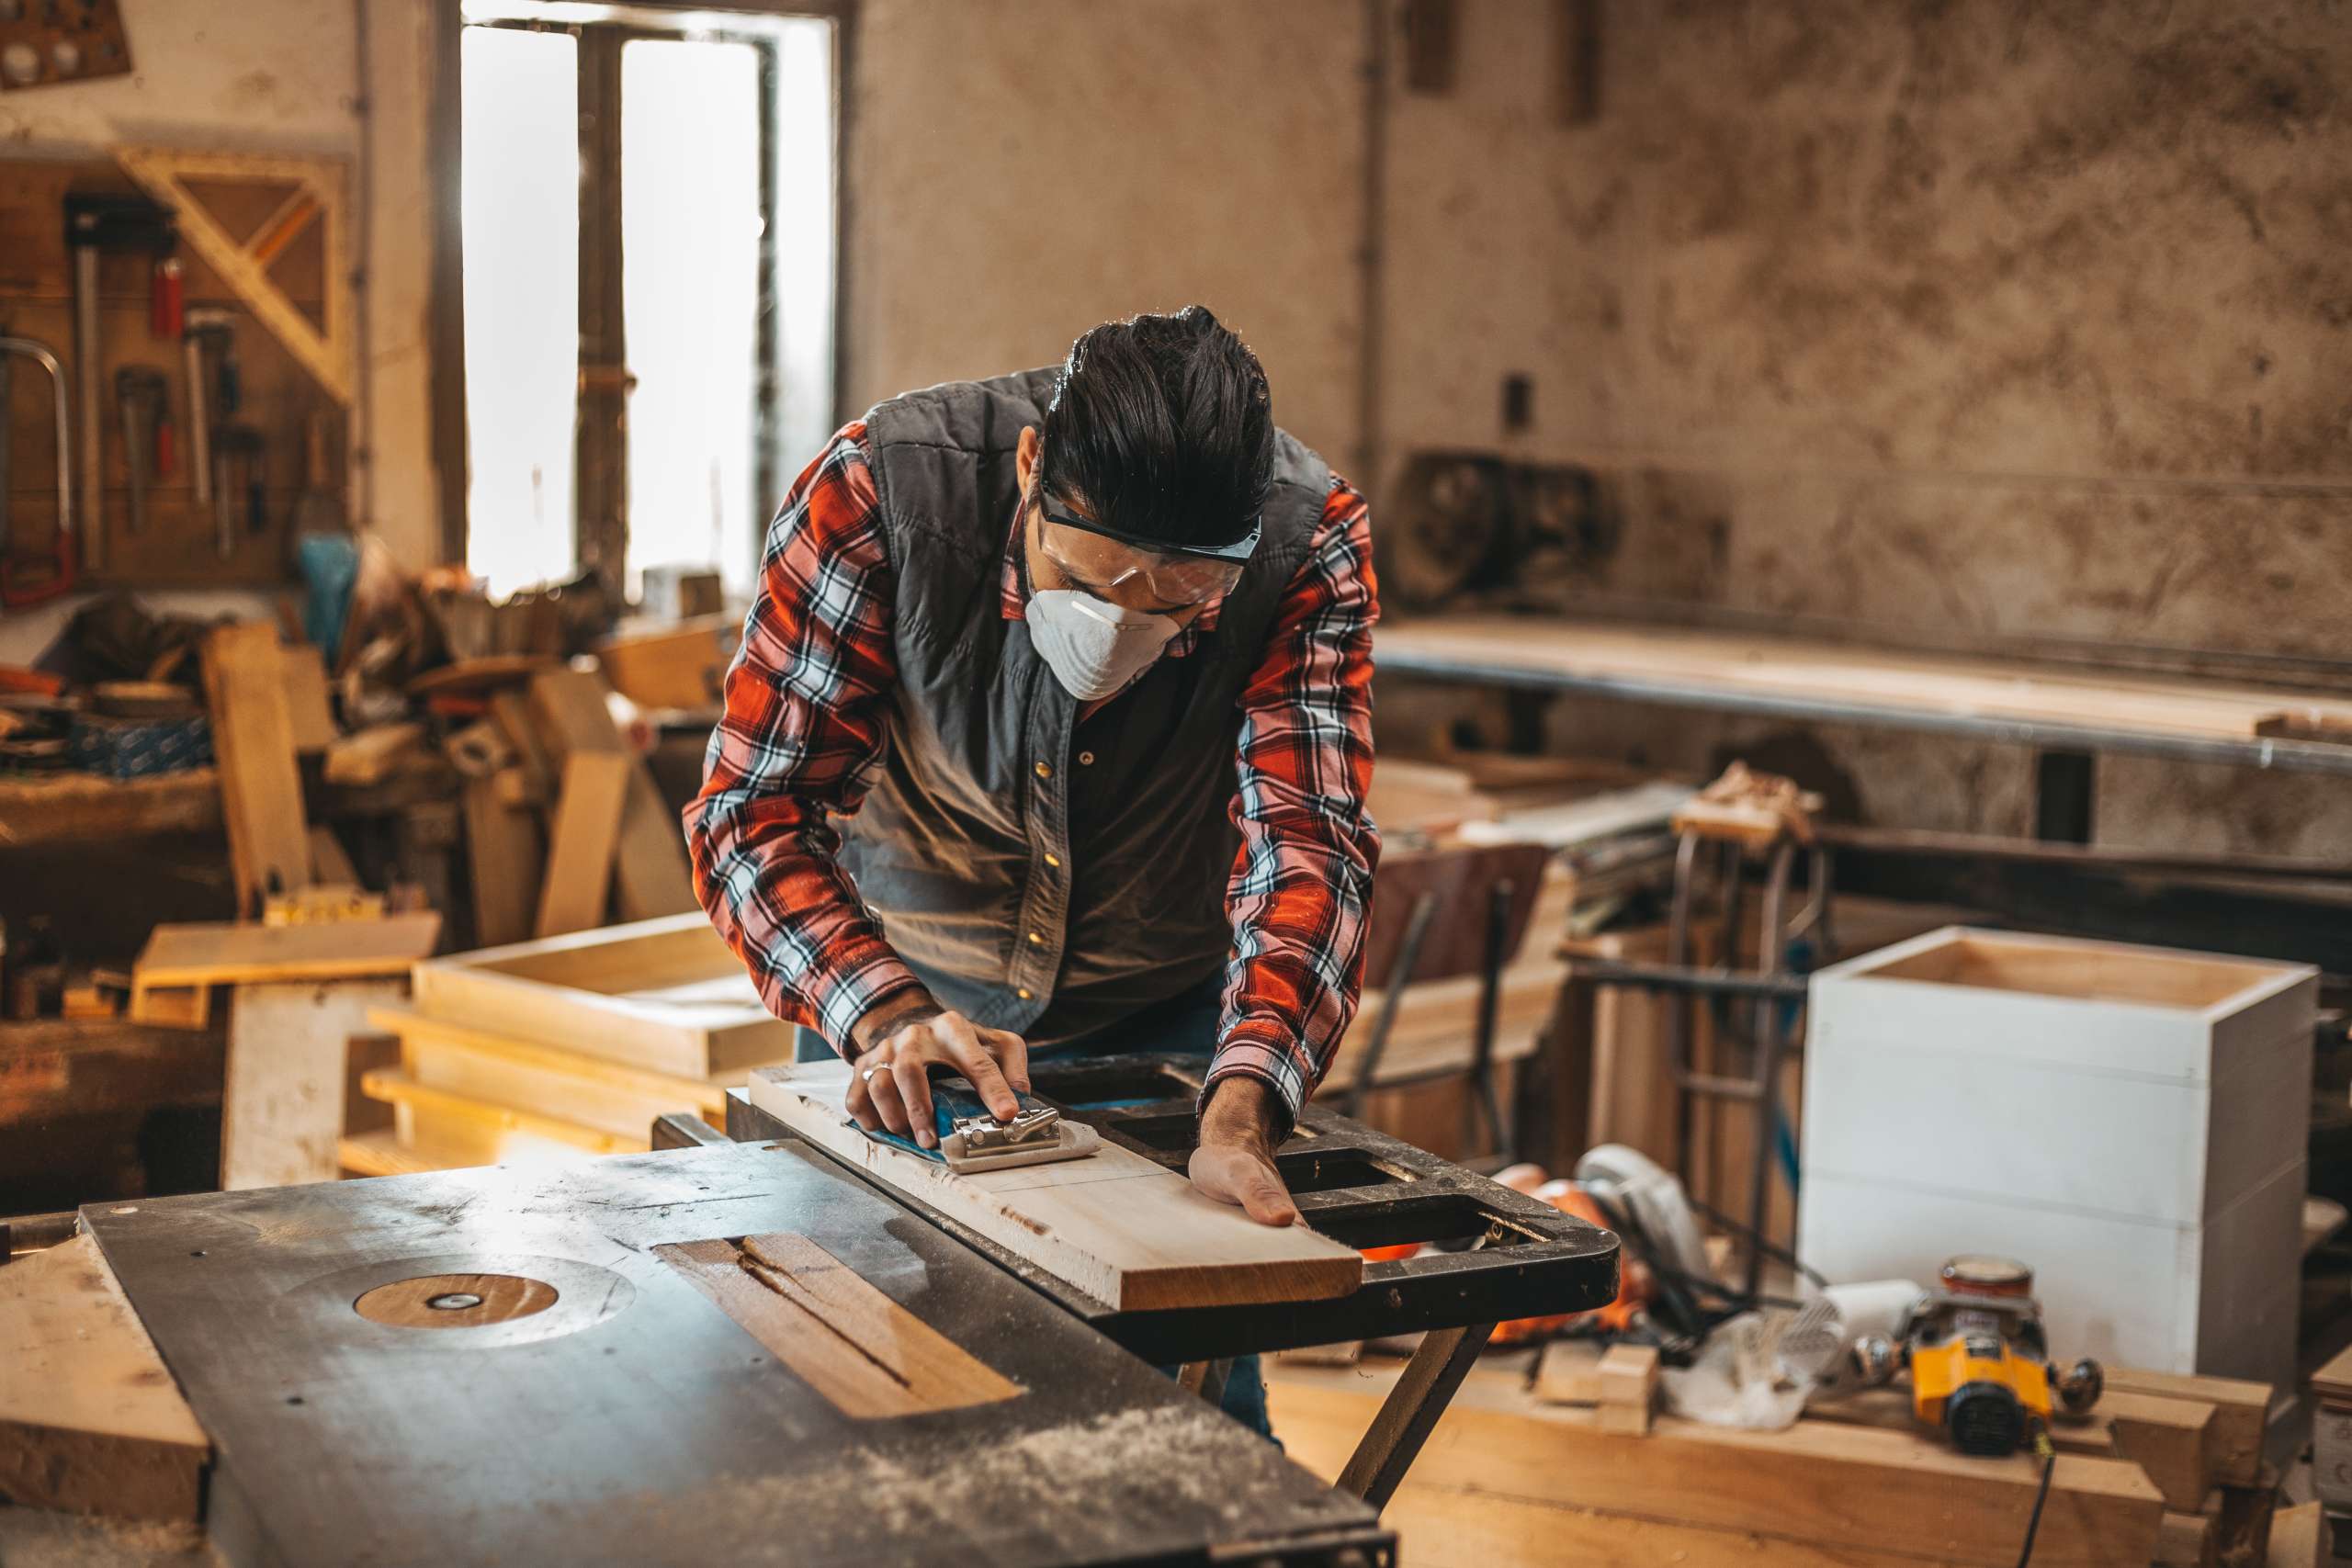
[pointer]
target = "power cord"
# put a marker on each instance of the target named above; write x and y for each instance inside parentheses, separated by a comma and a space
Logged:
(2049, 1457)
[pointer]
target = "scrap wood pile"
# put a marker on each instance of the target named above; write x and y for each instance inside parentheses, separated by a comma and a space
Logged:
(438, 751)
(1541, 1459)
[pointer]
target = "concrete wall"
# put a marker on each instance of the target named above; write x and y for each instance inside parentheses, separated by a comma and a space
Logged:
(1966, 318)
(1024, 169)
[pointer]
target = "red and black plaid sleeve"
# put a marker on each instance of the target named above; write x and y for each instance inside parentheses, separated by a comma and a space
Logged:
(1302, 885)
(802, 731)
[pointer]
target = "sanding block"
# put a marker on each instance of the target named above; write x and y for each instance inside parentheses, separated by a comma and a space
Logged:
(972, 1139)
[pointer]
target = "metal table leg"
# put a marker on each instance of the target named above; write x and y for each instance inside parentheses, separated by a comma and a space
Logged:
(1411, 1410)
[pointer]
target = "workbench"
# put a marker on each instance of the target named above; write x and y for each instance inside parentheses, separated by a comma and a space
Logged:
(2075, 708)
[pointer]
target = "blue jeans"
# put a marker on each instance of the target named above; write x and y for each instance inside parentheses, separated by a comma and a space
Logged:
(1183, 1027)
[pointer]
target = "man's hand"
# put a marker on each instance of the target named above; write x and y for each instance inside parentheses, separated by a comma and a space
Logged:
(1235, 1161)
(890, 1086)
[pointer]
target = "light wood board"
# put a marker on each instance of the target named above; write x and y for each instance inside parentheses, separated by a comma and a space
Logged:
(582, 840)
(1796, 671)
(545, 1079)
(459, 1130)
(282, 1106)
(668, 996)
(650, 872)
(2241, 1412)
(90, 1420)
(1115, 1226)
(223, 953)
(867, 1355)
(253, 742)
(505, 864)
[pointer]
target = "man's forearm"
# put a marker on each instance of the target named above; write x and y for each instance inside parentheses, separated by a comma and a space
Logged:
(1244, 1111)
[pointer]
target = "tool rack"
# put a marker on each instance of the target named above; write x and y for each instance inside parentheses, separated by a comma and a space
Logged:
(1498, 1254)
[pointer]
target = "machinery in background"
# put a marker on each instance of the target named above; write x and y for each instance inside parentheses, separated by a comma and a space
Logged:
(1978, 1359)
(1463, 521)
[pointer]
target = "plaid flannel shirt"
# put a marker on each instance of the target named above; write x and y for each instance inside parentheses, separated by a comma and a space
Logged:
(805, 727)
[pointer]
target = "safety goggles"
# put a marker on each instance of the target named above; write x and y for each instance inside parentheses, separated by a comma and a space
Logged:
(1100, 559)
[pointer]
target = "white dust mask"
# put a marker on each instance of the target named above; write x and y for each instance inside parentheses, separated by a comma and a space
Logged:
(1094, 649)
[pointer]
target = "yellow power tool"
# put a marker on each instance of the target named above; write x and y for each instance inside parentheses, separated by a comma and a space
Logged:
(1979, 1362)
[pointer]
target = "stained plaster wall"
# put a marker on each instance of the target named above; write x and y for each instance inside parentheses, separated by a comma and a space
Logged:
(1965, 318)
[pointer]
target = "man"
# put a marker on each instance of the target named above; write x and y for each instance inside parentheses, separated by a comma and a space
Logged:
(1081, 658)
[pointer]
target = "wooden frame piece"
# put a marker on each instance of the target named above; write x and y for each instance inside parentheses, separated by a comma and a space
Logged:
(666, 996)
(319, 195)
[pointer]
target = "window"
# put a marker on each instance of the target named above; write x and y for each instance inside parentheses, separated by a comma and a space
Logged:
(649, 284)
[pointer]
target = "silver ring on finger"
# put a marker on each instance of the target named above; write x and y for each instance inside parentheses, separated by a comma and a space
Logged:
(868, 1076)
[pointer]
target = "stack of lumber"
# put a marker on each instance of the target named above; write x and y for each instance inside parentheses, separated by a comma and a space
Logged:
(1509, 1478)
(564, 1048)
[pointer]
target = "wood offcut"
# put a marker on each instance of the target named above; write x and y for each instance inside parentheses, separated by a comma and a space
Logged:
(867, 1355)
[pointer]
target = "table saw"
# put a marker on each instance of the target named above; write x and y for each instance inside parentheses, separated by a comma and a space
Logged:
(579, 1363)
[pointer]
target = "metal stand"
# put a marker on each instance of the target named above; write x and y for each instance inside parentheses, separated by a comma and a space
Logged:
(1768, 987)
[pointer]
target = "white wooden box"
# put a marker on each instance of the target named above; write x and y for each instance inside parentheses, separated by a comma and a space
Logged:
(2128, 1120)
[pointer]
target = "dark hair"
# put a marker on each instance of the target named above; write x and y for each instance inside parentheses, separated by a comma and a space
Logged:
(1162, 428)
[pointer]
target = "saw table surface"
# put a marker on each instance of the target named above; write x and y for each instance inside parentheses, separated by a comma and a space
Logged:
(600, 1403)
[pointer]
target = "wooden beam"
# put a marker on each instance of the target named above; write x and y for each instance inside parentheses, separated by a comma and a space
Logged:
(282, 1110)
(582, 843)
(1114, 1225)
(90, 1419)
(2241, 1415)
(504, 862)
(215, 953)
(328, 355)
(650, 872)
(253, 742)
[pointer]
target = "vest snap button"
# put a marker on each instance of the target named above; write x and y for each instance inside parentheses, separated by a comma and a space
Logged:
(1044, 771)
(1086, 759)
(1054, 860)
(1037, 937)
(1023, 993)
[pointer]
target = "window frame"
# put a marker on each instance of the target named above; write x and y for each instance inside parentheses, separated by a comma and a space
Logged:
(600, 491)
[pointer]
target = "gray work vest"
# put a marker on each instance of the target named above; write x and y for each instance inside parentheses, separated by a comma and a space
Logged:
(1006, 847)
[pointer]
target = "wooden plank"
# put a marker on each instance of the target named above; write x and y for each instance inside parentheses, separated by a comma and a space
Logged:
(468, 1131)
(223, 953)
(329, 864)
(678, 664)
(380, 1153)
(368, 756)
(2184, 1540)
(1437, 1020)
(253, 744)
(81, 808)
(1628, 1375)
(666, 995)
(504, 862)
(543, 1078)
(282, 1110)
(1838, 1488)
(650, 874)
(307, 705)
(90, 1420)
(1114, 1225)
(171, 1007)
(2299, 1538)
(867, 1355)
(2241, 1412)
(1569, 1373)
(582, 843)
(2172, 1440)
